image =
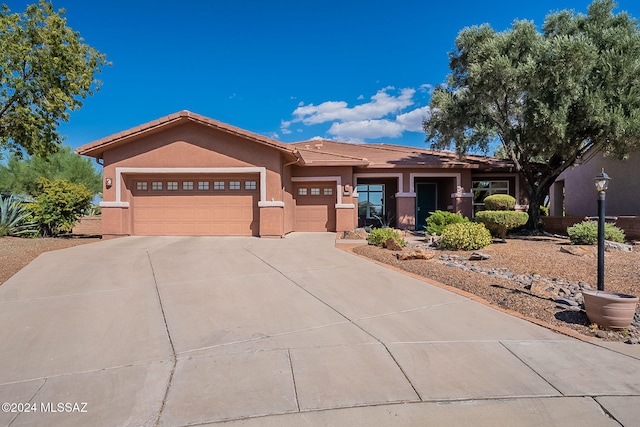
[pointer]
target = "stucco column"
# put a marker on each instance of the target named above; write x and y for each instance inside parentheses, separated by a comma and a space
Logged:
(406, 211)
(272, 221)
(462, 202)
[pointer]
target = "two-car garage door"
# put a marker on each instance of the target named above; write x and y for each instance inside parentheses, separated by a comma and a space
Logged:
(184, 206)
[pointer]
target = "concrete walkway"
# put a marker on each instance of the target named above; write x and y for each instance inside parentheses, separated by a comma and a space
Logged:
(146, 331)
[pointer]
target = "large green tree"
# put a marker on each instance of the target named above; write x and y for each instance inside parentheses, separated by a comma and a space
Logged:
(547, 96)
(22, 175)
(46, 70)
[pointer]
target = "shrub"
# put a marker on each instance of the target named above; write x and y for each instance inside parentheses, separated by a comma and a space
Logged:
(438, 220)
(15, 219)
(378, 236)
(59, 204)
(586, 233)
(499, 202)
(466, 236)
(544, 211)
(499, 222)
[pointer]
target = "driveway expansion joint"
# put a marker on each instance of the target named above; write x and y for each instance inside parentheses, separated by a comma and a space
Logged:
(173, 349)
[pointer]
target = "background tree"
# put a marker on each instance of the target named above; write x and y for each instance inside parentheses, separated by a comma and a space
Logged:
(21, 176)
(547, 97)
(46, 70)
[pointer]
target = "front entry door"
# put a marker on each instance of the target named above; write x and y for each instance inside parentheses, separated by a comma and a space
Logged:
(426, 202)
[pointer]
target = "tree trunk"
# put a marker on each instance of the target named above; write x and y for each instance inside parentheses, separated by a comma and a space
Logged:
(536, 195)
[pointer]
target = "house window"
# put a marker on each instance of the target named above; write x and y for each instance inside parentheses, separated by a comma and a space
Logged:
(250, 185)
(187, 185)
(203, 185)
(328, 191)
(172, 185)
(482, 189)
(370, 200)
(315, 191)
(218, 185)
(234, 185)
(141, 185)
(156, 185)
(302, 191)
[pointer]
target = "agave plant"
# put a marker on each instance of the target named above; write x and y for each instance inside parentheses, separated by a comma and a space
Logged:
(14, 219)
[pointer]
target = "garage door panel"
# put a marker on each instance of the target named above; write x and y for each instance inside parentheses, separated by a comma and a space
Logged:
(195, 213)
(315, 210)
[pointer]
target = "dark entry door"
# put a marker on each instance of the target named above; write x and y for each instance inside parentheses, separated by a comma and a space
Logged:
(426, 202)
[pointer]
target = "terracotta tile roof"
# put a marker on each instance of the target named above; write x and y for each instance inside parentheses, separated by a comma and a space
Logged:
(324, 152)
(96, 148)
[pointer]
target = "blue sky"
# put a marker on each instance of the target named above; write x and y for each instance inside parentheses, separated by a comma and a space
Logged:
(292, 70)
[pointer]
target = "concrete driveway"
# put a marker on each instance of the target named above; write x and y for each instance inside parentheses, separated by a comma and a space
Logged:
(145, 331)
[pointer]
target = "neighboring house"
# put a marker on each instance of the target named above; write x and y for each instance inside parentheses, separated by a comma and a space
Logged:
(186, 174)
(574, 192)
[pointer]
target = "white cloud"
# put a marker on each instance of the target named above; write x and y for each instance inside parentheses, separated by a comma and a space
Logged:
(381, 105)
(412, 121)
(386, 115)
(366, 129)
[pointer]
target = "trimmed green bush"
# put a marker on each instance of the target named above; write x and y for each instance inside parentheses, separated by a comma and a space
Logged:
(466, 236)
(586, 233)
(59, 204)
(438, 220)
(499, 202)
(15, 219)
(378, 236)
(499, 222)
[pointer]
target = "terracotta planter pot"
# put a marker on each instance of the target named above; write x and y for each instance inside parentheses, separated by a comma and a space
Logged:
(610, 310)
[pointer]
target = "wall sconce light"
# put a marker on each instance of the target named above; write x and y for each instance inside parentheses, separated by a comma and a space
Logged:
(108, 182)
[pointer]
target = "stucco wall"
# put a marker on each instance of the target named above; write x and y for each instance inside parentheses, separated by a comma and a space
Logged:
(580, 195)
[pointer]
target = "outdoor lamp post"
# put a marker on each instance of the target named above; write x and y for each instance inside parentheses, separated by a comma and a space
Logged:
(602, 184)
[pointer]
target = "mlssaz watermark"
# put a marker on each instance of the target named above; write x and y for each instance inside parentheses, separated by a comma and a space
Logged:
(46, 407)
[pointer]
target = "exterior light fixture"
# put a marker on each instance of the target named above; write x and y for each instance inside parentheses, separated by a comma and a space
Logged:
(602, 184)
(108, 182)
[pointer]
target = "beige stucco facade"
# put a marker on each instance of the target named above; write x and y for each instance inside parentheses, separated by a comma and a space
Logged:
(186, 174)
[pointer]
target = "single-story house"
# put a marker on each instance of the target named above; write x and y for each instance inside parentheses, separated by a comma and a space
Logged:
(186, 174)
(574, 192)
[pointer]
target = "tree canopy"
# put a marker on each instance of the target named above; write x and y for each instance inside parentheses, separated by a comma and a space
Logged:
(46, 70)
(547, 96)
(22, 176)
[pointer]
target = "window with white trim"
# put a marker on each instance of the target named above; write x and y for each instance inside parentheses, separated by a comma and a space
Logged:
(315, 191)
(141, 185)
(156, 185)
(482, 189)
(234, 185)
(203, 185)
(302, 191)
(172, 185)
(218, 185)
(370, 200)
(187, 185)
(250, 185)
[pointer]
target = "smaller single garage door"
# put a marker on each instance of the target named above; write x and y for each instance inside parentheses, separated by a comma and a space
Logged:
(195, 207)
(315, 206)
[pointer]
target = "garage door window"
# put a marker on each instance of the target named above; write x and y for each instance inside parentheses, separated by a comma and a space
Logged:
(156, 185)
(142, 185)
(203, 185)
(250, 185)
(315, 191)
(187, 185)
(172, 185)
(218, 185)
(302, 191)
(328, 191)
(234, 185)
